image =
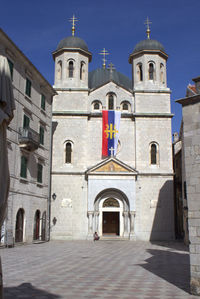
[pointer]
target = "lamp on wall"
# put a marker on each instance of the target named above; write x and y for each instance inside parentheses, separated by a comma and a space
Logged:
(54, 196)
(54, 220)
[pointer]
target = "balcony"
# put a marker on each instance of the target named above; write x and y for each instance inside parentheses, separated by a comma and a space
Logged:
(28, 139)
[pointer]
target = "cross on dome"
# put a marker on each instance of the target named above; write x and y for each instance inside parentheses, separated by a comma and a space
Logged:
(147, 23)
(73, 20)
(111, 67)
(104, 52)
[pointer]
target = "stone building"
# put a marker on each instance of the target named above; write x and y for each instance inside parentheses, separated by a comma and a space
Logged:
(128, 195)
(191, 175)
(29, 149)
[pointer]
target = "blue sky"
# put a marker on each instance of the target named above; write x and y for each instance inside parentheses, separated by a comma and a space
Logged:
(36, 27)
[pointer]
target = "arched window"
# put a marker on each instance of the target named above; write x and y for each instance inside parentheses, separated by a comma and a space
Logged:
(139, 72)
(68, 152)
(96, 106)
(71, 69)
(19, 226)
(162, 73)
(36, 232)
(59, 70)
(82, 71)
(110, 102)
(154, 154)
(151, 71)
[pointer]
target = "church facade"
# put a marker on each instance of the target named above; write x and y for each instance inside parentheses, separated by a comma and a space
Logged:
(127, 195)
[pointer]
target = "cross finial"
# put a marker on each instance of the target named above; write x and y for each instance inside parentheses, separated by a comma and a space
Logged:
(104, 52)
(73, 20)
(147, 23)
(111, 67)
(112, 151)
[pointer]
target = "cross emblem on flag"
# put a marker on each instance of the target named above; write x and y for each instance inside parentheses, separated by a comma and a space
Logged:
(110, 132)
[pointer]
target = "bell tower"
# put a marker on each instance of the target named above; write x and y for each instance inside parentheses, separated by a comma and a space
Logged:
(148, 61)
(71, 62)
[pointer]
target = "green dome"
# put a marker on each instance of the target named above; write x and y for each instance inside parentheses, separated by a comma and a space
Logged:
(148, 44)
(72, 42)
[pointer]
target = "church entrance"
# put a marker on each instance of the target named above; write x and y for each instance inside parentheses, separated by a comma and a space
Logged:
(111, 223)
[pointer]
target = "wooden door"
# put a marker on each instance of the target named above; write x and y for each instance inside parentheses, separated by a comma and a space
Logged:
(111, 223)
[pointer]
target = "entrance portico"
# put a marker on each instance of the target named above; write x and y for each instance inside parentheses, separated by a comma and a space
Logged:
(111, 199)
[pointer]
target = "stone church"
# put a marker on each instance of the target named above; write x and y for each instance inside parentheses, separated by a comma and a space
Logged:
(129, 194)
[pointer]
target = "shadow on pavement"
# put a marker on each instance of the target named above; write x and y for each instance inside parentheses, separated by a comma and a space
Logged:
(26, 290)
(172, 266)
(177, 245)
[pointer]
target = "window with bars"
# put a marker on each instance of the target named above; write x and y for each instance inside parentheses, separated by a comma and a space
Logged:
(11, 66)
(110, 102)
(43, 102)
(39, 173)
(41, 135)
(24, 163)
(28, 88)
(71, 69)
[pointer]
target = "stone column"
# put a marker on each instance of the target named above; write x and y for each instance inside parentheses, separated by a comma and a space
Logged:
(125, 214)
(132, 225)
(90, 225)
(96, 214)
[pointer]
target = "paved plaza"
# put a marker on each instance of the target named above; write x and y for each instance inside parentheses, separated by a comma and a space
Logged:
(102, 269)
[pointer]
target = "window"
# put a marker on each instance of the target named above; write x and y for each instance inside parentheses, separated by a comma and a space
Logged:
(110, 102)
(81, 70)
(71, 69)
(153, 154)
(59, 70)
(26, 122)
(151, 71)
(125, 106)
(24, 162)
(139, 72)
(43, 102)
(28, 88)
(68, 152)
(162, 74)
(41, 135)
(39, 173)
(11, 65)
(96, 106)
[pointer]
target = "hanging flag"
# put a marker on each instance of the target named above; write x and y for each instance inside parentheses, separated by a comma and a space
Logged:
(110, 132)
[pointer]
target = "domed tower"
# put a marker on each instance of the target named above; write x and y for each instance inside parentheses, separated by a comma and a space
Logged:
(71, 62)
(148, 61)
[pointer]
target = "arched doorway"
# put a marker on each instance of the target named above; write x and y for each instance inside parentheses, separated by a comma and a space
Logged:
(44, 226)
(19, 227)
(111, 213)
(36, 232)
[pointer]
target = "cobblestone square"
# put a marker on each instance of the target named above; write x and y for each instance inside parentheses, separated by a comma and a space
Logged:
(102, 269)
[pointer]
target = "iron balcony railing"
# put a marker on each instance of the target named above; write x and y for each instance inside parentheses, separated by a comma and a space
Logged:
(28, 138)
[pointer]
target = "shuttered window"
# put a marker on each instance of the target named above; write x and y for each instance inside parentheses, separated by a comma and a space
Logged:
(43, 102)
(28, 88)
(11, 65)
(24, 163)
(39, 173)
(41, 135)
(26, 122)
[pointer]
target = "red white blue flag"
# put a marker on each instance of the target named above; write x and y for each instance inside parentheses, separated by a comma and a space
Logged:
(110, 132)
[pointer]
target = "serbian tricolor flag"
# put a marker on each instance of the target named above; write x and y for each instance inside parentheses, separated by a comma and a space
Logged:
(110, 132)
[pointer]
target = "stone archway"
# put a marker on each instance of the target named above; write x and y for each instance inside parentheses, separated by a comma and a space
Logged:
(19, 226)
(111, 213)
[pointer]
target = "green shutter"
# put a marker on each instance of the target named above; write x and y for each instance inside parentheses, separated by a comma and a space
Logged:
(41, 135)
(11, 68)
(26, 122)
(39, 173)
(28, 87)
(43, 102)
(23, 172)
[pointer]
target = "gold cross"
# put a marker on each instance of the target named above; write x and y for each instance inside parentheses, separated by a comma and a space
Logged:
(104, 52)
(73, 20)
(148, 22)
(112, 131)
